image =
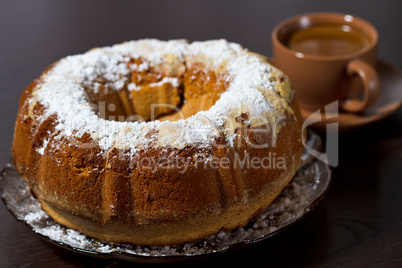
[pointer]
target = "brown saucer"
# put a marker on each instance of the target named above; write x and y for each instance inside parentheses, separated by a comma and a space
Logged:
(389, 102)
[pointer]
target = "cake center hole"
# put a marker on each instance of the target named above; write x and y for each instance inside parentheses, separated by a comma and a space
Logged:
(169, 98)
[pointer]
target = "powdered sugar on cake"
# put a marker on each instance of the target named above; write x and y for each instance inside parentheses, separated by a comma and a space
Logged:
(63, 92)
(174, 81)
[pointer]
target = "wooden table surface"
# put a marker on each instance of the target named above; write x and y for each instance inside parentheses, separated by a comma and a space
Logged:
(358, 224)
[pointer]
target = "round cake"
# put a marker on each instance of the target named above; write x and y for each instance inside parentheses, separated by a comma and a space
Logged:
(158, 142)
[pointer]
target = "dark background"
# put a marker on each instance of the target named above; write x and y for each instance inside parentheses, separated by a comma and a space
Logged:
(360, 221)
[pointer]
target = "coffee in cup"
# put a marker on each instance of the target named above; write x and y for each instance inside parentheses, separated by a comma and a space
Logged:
(328, 40)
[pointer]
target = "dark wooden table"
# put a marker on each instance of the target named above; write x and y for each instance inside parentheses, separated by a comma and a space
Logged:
(358, 224)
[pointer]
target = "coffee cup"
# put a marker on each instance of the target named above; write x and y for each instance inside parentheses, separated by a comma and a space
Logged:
(329, 57)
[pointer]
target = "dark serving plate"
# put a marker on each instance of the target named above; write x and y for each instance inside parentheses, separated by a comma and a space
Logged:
(297, 199)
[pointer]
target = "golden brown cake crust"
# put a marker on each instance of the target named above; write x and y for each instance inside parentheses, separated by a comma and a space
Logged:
(112, 195)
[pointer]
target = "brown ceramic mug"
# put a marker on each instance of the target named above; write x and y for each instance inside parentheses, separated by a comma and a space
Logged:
(329, 57)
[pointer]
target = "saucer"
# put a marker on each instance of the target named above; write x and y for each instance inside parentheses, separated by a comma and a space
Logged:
(389, 102)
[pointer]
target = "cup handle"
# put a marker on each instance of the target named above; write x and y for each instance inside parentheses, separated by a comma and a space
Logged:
(372, 86)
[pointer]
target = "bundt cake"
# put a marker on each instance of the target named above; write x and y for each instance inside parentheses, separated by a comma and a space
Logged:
(158, 142)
